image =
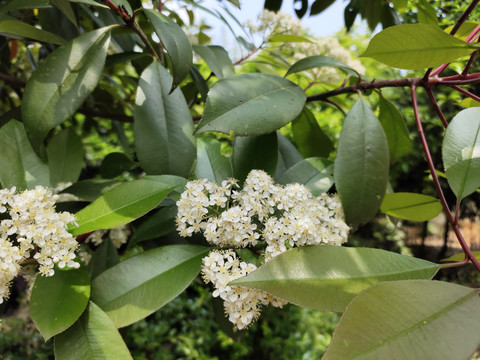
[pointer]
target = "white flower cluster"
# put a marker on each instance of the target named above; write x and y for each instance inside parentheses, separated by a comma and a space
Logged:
(275, 23)
(119, 236)
(242, 305)
(280, 217)
(33, 225)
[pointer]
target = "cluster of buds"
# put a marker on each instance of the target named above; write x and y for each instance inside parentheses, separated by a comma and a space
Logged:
(261, 213)
(31, 226)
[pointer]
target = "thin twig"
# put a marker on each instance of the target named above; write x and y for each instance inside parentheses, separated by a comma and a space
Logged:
(466, 92)
(436, 106)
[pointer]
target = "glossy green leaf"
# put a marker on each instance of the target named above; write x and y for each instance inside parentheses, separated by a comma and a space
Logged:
(92, 337)
(461, 152)
(465, 30)
(115, 164)
(287, 38)
(19, 29)
(361, 165)
(90, 2)
(58, 301)
(251, 104)
(65, 7)
(200, 83)
(460, 257)
(315, 173)
(163, 125)
(217, 59)
(62, 82)
(91, 189)
(319, 6)
(176, 43)
(328, 277)
(104, 257)
(312, 62)
(288, 155)
(308, 136)
(426, 13)
(415, 319)
(246, 157)
(120, 205)
(469, 102)
(21, 167)
(176, 182)
(24, 4)
(416, 46)
(157, 225)
(235, 2)
(140, 285)
(410, 206)
(211, 164)
(399, 143)
(65, 157)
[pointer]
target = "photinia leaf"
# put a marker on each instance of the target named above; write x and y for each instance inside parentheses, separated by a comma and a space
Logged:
(19, 29)
(217, 59)
(465, 30)
(21, 166)
(311, 62)
(58, 301)
(319, 6)
(460, 257)
(65, 7)
(426, 13)
(251, 104)
(469, 102)
(163, 125)
(140, 285)
(288, 155)
(461, 152)
(120, 205)
(287, 38)
(328, 277)
(211, 164)
(308, 136)
(115, 164)
(62, 82)
(315, 173)
(361, 165)
(176, 43)
(245, 155)
(25, 4)
(104, 257)
(91, 189)
(92, 337)
(414, 319)
(416, 46)
(399, 143)
(409, 206)
(65, 157)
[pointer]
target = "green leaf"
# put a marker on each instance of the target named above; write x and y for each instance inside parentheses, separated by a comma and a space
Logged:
(211, 164)
(90, 2)
(92, 337)
(288, 155)
(361, 165)
(19, 29)
(409, 206)
(91, 189)
(469, 102)
(287, 38)
(311, 62)
(21, 167)
(399, 143)
(159, 224)
(176, 43)
(62, 82)
(163, 125)
(115, 164)
(58, 301)
(319, 6)
(308, 136)
(315, 173)
(65, 157)
(142, 284)
(25, 4)
(328, 277)
(461, 152)
(65, 7)
(120, 205)
(415, 319)
(104, 257)
(416, 46)
(235, 2)
(426, 13)
(246, 157)
(460, 257)
(465, 30)
(178, 183)
(251, 104)
(217, 59)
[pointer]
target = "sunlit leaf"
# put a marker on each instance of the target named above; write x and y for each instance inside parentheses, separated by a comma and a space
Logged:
(328, 277)
(19, 29)
(217, 59)
(211, 164)
(409, 206)
(312, 62)
(414, 319)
